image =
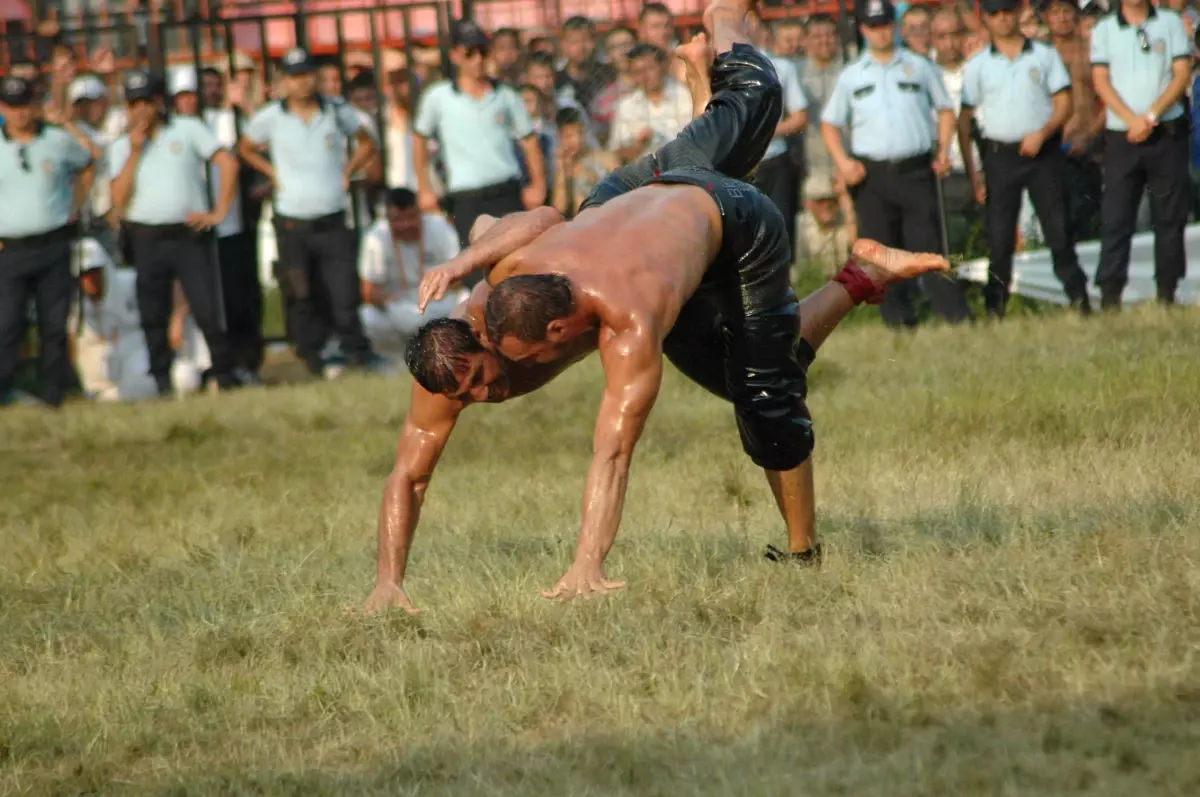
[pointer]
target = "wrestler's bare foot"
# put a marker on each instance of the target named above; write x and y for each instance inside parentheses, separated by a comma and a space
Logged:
(728, 9)
(698, 56)
(885, 265)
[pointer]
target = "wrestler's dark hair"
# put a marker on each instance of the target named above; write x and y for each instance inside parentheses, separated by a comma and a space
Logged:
(436, 355)
(643, 50)
(524, 306)
(655, 8)
(578, 22)
(567, 116)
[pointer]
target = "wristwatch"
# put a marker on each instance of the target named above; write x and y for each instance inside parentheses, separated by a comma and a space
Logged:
(1152, 116)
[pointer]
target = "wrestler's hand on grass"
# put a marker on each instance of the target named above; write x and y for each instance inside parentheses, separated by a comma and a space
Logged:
(388, 596)
(585, 581)
(437, 281)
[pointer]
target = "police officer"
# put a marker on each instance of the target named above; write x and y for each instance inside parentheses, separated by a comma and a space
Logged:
(158, 189)
(1022, 91)
(1141, 65)
(886, 98)
(305, 135)
(45, 175)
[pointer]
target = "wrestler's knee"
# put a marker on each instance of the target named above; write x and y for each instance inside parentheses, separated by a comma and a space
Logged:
(749, 73)
(776, 443)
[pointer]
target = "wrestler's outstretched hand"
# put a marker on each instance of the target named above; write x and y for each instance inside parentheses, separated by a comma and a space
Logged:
(582, 581)
(437, 281)
(388, 596)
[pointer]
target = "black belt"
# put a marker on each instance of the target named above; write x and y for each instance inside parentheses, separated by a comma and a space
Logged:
(901, 166)
(497, 191)
(163, 232)
(989, 146)
(1175, 128)
(59, 235)
(334, 221)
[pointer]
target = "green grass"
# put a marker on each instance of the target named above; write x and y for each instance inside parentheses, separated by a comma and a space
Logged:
(1009, 604)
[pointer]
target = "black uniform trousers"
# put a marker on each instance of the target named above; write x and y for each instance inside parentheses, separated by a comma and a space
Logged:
(319, 279)
(39, 267)
(1160, 163)
(467, 206)
(242, 292)
(1083, 183)
(778, 178)
(1008, 175)
(165, 253)
(897, 205)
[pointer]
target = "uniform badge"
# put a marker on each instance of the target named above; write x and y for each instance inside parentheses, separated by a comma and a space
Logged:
(1160, 46)
(1035, 76)
(48, 167)
(176, 147)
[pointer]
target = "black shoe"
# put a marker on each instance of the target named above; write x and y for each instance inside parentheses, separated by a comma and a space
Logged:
(165, 390)
(808, 558)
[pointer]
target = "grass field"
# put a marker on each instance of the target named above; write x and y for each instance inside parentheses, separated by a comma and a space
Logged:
(1009, 604)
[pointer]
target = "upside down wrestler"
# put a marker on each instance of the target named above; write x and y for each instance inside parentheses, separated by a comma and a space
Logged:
(706, 284)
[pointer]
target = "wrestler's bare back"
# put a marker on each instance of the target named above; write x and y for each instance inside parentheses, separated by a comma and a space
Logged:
(639, 256)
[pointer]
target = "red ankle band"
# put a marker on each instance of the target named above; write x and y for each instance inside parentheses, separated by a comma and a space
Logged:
(858, 284)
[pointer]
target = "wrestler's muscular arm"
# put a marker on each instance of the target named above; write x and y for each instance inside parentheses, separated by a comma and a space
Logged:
(633, 370)
(502, 239)
(431, 419)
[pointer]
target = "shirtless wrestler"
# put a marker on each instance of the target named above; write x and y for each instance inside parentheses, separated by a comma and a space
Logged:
(685, 230)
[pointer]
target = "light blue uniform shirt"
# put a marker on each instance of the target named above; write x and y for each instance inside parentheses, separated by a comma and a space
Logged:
(888, 108)
(309, 157)
(38, 199)
(476, 135)
(169, 183)
(1014, 97)
(794, 99)
(1140, 76)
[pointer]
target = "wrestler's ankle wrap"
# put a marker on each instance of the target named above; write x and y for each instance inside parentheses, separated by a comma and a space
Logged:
(860, 287)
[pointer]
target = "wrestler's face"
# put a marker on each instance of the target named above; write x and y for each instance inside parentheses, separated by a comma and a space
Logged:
(528, 353)
(485, 380)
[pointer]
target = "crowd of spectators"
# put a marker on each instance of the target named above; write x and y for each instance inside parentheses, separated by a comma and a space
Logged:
(520, 121)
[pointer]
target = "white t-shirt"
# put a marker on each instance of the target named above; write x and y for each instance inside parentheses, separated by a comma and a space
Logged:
(222, 123)
(116, 311)
(377, 259)
(953, 79)
(666, 119)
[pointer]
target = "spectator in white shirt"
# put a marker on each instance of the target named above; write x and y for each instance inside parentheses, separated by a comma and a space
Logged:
(655, 113)
(395, 252)
(110, 348)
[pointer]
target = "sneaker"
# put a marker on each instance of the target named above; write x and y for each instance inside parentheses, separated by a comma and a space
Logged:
(808, 558)
(333, 367)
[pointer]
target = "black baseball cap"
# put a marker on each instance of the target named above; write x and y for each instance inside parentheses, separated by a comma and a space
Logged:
(297, 61)
(16, 91)
(466, 33)
(141, 85)
(876, 12)
(997, 6)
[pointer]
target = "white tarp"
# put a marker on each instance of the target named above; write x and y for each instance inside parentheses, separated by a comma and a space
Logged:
(1033, 274)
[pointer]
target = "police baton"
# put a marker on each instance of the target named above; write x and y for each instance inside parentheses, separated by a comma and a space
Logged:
(941, 211)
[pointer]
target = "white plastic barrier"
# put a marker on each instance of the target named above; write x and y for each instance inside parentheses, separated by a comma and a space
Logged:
(1033, 273)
